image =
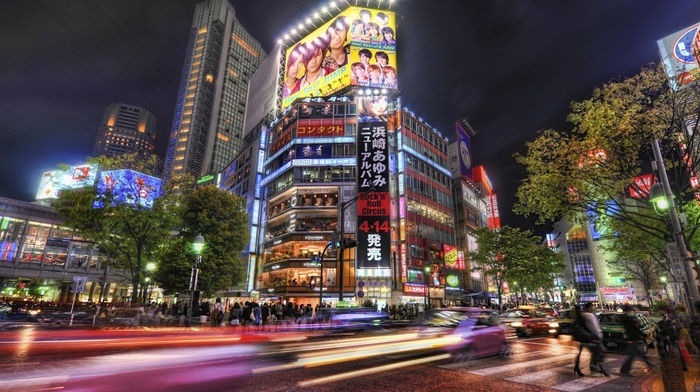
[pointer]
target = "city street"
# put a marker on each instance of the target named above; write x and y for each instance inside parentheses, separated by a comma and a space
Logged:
(224, 359)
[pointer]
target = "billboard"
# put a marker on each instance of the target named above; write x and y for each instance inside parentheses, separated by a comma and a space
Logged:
(598, 219)
(680, 54)
(641, 186)
(127, 187)
(357, 47)
(494, 219)
(480, 176)
(464, 150)
(373, 204)
(72, 178)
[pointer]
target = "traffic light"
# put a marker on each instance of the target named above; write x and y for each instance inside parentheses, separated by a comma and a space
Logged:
(349, 243)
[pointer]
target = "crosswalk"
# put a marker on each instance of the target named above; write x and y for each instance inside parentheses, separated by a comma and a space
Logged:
(542, 368)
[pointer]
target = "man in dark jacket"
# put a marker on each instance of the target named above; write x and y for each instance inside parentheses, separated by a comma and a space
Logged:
(635, 341)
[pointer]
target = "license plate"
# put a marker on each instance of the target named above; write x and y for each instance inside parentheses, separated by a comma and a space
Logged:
(610, 344)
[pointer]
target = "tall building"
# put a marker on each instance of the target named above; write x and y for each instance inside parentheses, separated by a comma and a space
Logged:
(207, 131)
(125, 129)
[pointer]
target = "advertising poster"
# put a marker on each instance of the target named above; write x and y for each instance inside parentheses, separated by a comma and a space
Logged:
(357, 47)
(127, 187)
(680, 54)
(450, 256)
(373, 206)
(464, 149)
(73, 178)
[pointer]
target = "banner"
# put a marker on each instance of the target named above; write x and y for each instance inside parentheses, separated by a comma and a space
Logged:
(373, 205)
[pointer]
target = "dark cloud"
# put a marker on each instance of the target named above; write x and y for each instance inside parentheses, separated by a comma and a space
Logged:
(510, 67)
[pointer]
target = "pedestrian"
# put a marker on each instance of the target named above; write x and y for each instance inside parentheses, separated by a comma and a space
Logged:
(217, 313)
(668, 334)
(234, 316)
(685, 320)
(586, 319)
(636, 339)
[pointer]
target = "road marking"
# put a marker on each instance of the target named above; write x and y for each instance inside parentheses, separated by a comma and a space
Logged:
(459, 365)
(521, 365)
(532, 377)
(582, 383)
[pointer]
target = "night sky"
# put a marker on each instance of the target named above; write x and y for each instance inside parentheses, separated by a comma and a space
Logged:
(510, 67)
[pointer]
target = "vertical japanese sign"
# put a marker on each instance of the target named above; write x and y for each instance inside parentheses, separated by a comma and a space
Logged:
(373, 206)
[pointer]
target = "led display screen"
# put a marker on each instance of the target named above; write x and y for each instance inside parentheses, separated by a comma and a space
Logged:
(127, 187)
(73, 178)
(680, 54)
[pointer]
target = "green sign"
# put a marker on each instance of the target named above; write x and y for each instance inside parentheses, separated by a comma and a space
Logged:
(206, 178)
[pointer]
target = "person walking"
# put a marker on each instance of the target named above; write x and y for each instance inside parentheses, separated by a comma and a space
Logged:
(668, 334)
(589, 319)
(635, 341)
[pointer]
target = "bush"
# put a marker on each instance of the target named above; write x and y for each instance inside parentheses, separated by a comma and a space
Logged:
(367, 303)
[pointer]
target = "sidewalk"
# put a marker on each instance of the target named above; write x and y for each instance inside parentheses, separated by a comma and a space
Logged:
(653, 382)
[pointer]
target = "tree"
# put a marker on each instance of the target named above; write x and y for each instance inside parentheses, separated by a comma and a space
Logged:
(220, 217)
(511, 254)
(593, 166)
(131, 233)
(637, 254)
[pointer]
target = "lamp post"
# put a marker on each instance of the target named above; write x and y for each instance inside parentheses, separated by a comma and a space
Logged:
(150, 267)
(426, 270)
(320, 277)
(197, 246)
(662, 199)
(344, 205)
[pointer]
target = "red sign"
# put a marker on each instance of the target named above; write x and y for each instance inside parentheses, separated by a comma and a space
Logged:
(414, 288)
(641, 186)
(373, 204)
(320, 130)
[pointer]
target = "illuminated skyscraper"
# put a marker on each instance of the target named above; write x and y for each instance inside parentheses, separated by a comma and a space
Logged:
(207, 130)
(125, 129)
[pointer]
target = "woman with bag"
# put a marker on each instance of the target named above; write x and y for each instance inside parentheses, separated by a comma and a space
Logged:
(587, 331)
(668, 334)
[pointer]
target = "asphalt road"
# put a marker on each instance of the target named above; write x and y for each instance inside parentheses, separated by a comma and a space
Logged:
(224, 359)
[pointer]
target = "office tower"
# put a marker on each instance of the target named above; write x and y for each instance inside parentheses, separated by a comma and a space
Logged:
(207, 130)
(125, 129)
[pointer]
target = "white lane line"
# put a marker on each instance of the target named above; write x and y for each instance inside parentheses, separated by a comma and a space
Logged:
(582, 383)
(532, 377)
(521, 365)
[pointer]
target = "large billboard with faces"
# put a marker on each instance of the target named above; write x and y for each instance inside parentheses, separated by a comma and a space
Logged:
(355, 48)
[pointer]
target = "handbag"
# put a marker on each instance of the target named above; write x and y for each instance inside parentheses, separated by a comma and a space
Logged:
(581, 334)
(252, 316)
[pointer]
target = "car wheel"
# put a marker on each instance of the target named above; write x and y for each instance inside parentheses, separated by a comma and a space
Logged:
(464, 356)
(528, 331)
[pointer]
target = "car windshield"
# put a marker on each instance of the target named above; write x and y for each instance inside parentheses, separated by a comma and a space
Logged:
(609, 319)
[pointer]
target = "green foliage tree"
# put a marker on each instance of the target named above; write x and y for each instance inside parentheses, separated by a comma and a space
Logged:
(593, 165)
(220, 217)
(637, 254)
(130, 233)
(512, 254)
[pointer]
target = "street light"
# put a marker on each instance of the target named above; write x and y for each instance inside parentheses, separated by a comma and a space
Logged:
(662, 199)
(427, 269)
(197, 246)
(341, 238)
(150, 267)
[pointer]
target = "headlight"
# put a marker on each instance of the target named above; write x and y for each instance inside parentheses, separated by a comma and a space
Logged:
(516, 324)
(33, 312)
(553, 325)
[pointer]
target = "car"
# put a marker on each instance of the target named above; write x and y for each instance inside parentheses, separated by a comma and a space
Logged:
(526, 320)
(614, 336)
(562, 324)
(479, 330)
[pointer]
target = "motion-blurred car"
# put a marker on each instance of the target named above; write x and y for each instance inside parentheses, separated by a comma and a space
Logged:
(480, 333)
(562, 324)
(614, 336)
(526, 320)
